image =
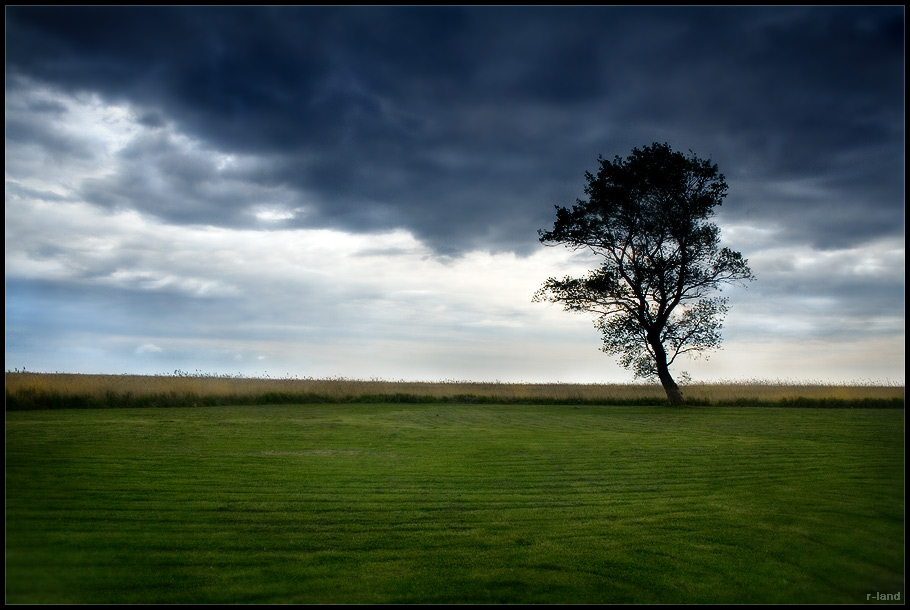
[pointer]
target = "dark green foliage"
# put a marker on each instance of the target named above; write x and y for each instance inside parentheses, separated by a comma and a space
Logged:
(647, 220)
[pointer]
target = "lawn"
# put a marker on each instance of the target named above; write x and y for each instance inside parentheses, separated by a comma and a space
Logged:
(454, 503)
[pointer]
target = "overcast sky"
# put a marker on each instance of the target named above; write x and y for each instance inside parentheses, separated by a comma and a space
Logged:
(356, 192)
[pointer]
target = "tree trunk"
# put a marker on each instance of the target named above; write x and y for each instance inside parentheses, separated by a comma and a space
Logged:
(674, 395)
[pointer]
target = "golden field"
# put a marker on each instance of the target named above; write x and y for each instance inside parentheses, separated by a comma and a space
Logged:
(340, 389)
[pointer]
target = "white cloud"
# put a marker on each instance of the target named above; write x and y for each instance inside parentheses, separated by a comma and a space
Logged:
(325, 302)
(148, 348)
(328, 303)
(273, 214)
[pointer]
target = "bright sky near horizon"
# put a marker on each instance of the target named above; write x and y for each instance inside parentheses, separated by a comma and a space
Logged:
(356, 191)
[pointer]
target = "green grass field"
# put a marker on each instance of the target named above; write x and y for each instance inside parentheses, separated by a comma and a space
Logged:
(454, 503)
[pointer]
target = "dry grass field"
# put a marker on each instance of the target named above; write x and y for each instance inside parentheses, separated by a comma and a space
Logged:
(183, 389)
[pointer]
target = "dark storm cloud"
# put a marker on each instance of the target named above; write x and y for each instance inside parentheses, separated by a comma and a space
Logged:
(178, 183)
(465, 125)
(30, 123)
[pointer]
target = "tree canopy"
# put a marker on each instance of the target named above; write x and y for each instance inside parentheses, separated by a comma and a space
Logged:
(647, 220)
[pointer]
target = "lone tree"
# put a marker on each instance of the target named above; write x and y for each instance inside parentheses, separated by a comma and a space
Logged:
(647, 219)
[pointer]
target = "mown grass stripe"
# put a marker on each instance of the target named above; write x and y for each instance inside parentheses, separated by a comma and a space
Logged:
(505, 504)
